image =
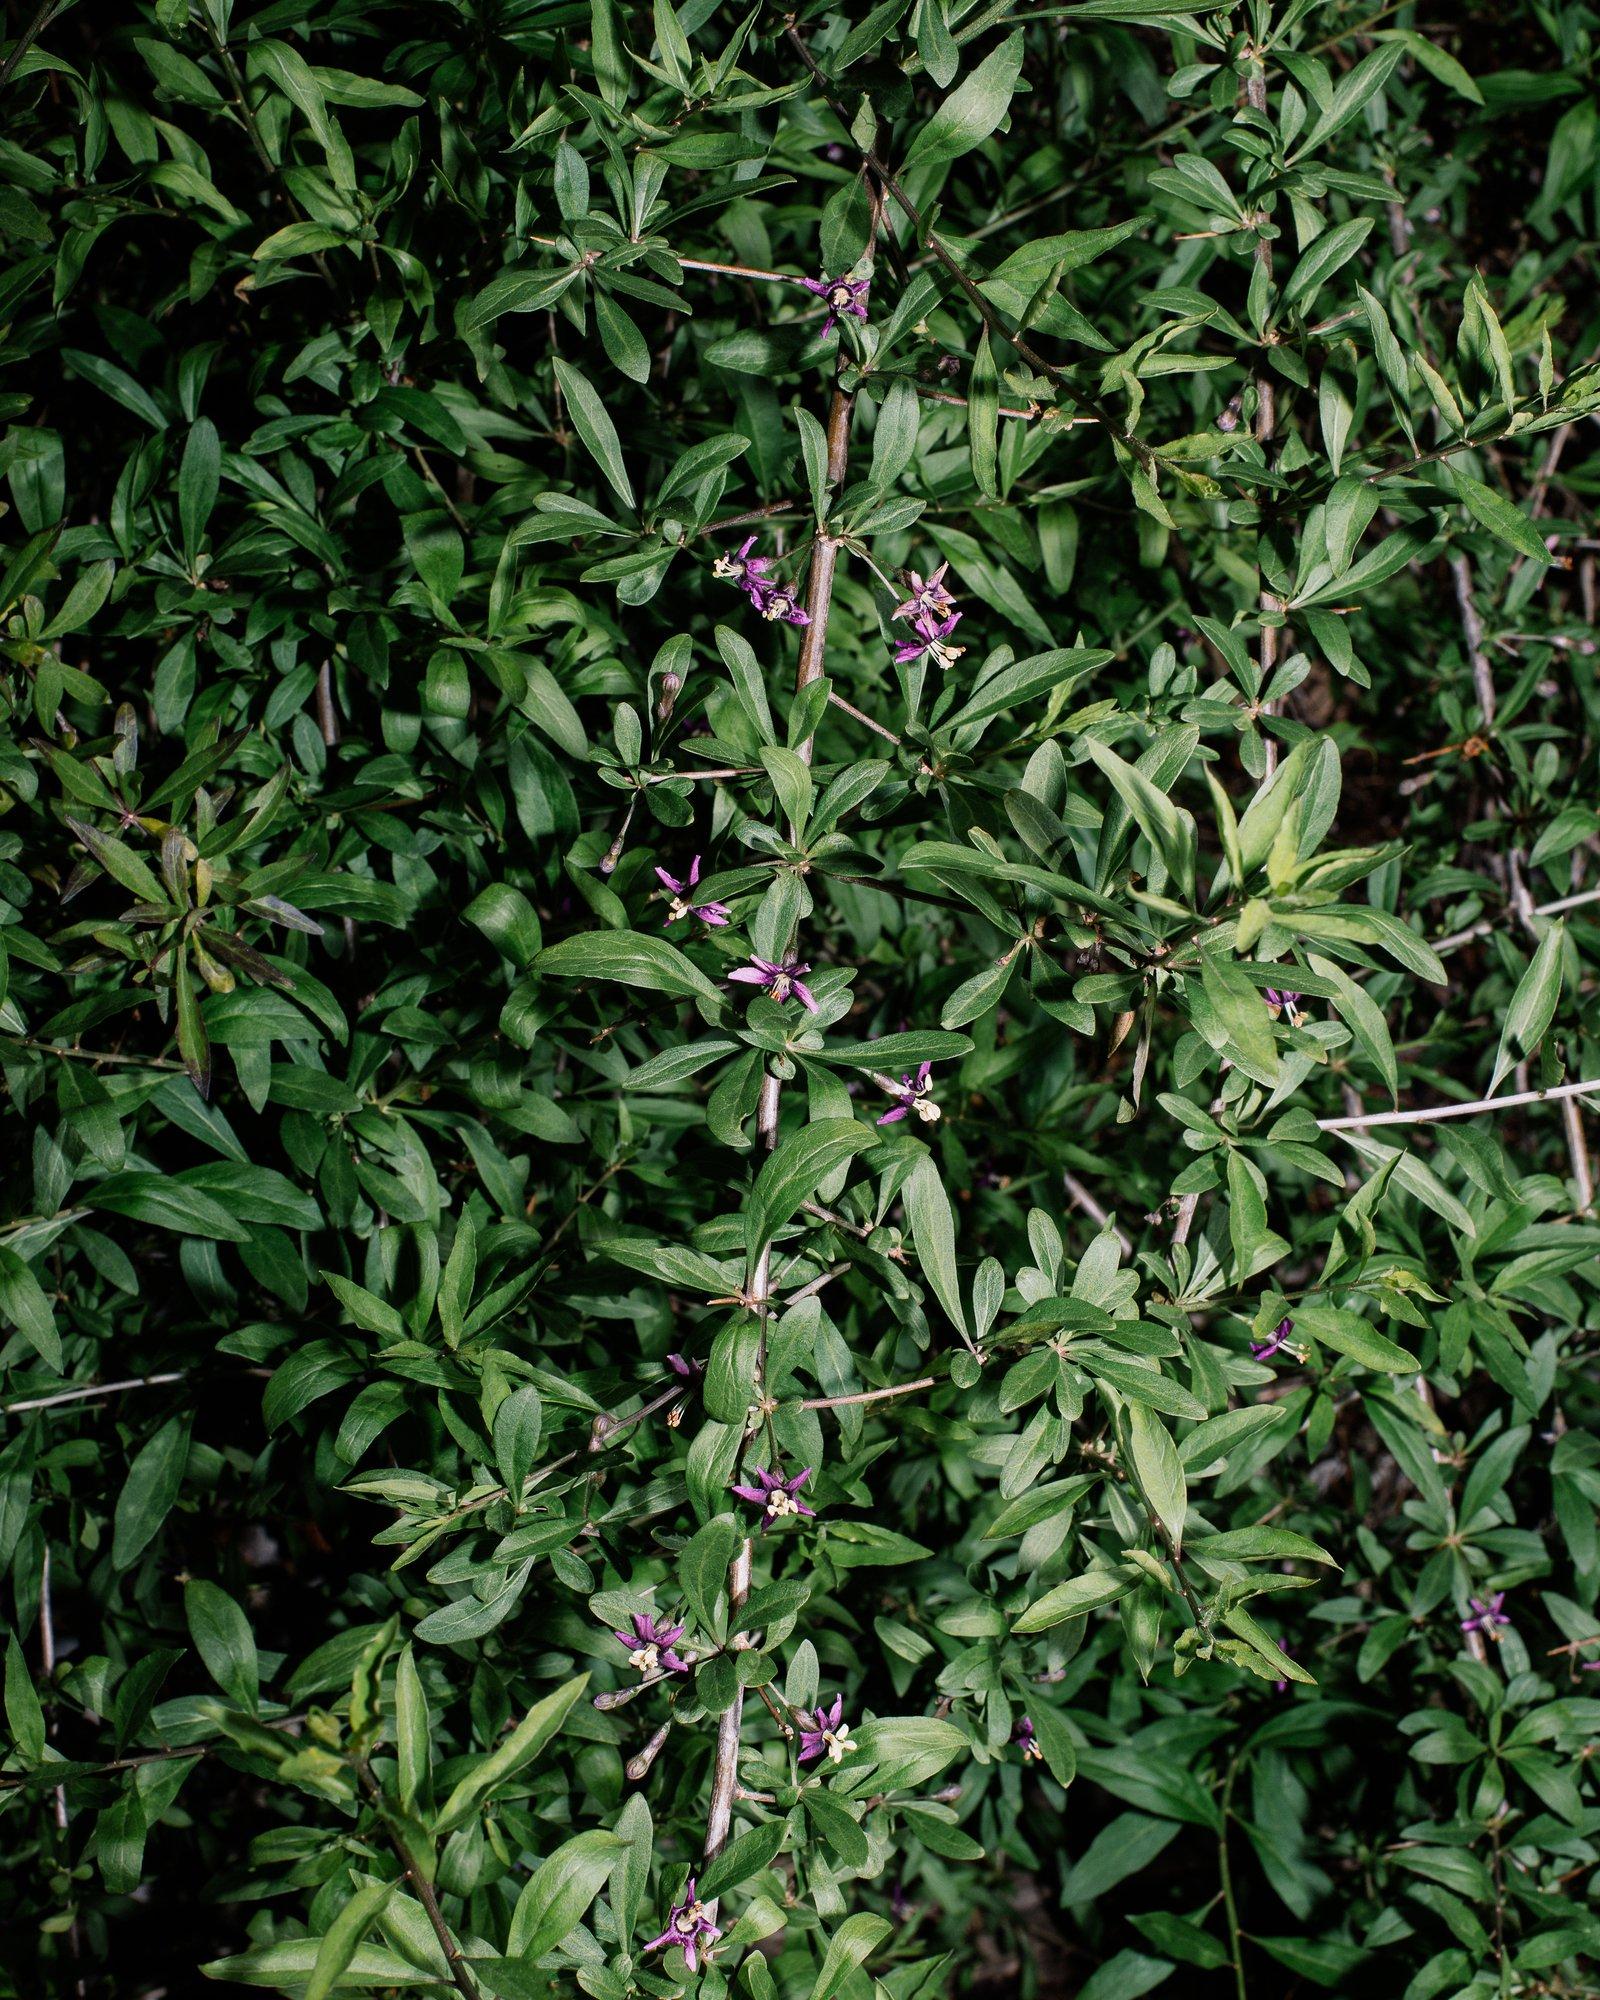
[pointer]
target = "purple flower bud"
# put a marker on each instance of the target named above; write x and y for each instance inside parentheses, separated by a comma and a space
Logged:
(1264, 1350)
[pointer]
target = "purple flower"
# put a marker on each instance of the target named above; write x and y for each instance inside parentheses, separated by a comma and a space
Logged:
(1287, 1003)
(652, 1645)
(683, 903)
(1027, 1742)
(911, 1094)
(690, 1370)
(1486, 1618)
(930, 636)
(827, 1734)
(845, 297)
(1264, 1350)
(777, 1495)
(747, 571)
(688, 1925)
(928, 600)
(777, 600)
(778, 980)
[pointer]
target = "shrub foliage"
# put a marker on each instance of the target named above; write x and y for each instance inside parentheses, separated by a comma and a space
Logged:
(769, 780)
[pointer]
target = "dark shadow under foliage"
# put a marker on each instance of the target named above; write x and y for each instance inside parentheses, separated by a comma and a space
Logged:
(765, 773)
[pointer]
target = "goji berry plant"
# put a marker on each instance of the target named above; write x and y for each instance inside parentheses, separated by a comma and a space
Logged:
(797, 990)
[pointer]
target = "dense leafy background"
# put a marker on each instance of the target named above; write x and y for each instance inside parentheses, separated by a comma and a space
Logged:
(382, 383)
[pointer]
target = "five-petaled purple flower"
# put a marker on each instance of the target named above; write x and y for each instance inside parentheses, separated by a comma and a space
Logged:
(683, 903)
(1025, 1740)
(827, 1734)
(770, 598)
(1486, 1618)
(779, 980)
(845, 298)
(688, 1924)
(651, 1645)
(776, 1495)
(930, 636)
(1265, 1349)
(747, 571)
(928, 600)
(779, 601)
(911, 1093)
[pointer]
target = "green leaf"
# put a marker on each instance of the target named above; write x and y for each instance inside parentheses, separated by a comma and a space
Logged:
(1504, 520)
(851, 1944)
(703, 1566)
(592, 421)
(1156, 1467)
(983, 416)
(291, 1964)
(1364, 1018)
(199, 480)
(530, 1736)
(1058, 672)
(154, 1481)
(1533, 1005)
(553, 1901)
(344, 1935)
(743, 1857)
(1333, 248)
(24, 1302)
(1075, 1598)
(1348, 1333)
(794, 1174)
(1169, 830)
(630, 958)
(222, 1635)
(967, 117)
(933, 1231)
(837, 1827)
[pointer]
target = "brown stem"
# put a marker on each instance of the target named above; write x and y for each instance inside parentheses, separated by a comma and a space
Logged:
(327, 714)
(725, 1767)
(422, 1888)
(28, 37)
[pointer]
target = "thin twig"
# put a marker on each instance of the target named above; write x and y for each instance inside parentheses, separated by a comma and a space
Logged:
(1485, 925)
(1433, 1114)
(1472, 632)
(870, 1395)
(1094, 1210)
(93, 1392)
